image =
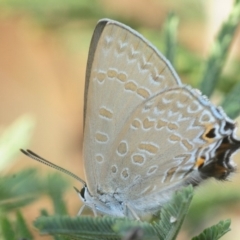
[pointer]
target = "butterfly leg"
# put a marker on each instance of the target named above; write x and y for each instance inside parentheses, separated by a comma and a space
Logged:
(81, 210)
(129, 208)
(94, 210)
(91, 207)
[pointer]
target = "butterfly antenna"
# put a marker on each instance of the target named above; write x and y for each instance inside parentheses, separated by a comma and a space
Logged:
(34, 156)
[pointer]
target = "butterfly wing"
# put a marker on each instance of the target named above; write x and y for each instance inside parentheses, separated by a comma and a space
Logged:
(145, 133)
(123, 70)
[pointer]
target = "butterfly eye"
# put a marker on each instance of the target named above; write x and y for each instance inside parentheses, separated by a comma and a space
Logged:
(82, 192)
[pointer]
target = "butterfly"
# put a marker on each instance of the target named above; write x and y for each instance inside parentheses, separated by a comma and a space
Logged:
(146, 134)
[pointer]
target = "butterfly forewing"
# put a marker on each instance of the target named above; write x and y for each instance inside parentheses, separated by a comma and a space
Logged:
(123, 71)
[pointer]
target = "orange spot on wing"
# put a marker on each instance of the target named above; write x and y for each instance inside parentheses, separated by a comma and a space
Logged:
(205, 135)
(200, 161)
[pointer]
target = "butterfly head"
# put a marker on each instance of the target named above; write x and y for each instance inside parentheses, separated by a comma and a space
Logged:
(103, 204)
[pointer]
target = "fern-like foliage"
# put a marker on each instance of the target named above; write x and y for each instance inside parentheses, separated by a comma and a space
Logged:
(219, 52)
(166, 227)
(215, 232)
(85, 227)
(170, 33)
(173, 214)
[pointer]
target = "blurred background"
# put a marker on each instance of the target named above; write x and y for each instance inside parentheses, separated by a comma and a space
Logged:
(43, 54)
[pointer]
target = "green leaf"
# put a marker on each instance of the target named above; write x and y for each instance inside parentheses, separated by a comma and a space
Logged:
(170, 32)
(231, 103)
(56, 193)
(22, 230)
(22, 188)
(79, 227)
(215, 232)
(172, 214)
(12, 204)
(85, 227)
(18, 189)
(219, 52)
(93, 228)
(144, 229)
(7, 230)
